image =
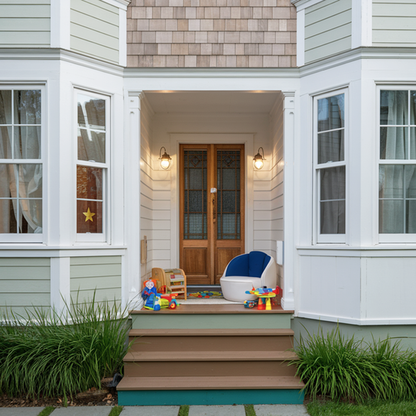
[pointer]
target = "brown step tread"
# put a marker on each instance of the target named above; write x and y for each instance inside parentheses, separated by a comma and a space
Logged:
(210, 383)
(210, 332)
(211, 309)
(183, 356)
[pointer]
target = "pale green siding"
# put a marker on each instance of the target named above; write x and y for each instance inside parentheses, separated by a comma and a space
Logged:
(95, 29)
(327, 29)
(25, 23)
(99, 274)
(394, 23)
(24, 282)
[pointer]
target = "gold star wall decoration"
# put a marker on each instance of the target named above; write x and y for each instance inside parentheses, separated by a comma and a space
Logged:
(89, 215)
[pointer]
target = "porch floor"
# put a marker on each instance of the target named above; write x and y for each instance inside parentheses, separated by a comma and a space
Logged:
(203, 307)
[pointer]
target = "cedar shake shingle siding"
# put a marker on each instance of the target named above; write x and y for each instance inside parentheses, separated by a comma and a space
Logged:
(211, 34)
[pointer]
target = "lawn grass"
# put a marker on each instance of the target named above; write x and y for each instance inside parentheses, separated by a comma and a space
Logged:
(183, 410)
(47, 411)
(116, 410)
(249, 408)
(369, 408)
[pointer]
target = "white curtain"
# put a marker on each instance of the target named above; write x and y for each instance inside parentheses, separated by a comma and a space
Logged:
(397, 183)
(20, 181)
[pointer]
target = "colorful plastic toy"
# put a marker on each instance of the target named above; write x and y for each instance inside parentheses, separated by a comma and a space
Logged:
(157, 301)
(264, 294)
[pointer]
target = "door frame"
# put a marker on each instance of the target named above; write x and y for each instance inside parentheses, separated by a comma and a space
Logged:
(247, 139)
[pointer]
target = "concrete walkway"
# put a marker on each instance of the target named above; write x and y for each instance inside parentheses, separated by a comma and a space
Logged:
(261, 410)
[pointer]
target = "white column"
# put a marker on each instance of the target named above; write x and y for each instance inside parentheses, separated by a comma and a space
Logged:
(290, 207)
(131, 290)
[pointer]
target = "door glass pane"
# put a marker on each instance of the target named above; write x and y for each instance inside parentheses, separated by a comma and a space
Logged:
(228, 198)
(195, 195)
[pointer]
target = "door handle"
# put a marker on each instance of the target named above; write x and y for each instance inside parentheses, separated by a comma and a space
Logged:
(214, 209)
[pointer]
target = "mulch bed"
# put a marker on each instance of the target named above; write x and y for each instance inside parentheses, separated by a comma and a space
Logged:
(93, 397)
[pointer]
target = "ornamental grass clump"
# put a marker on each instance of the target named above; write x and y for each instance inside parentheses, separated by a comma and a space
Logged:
(50, 354)
(341, 368)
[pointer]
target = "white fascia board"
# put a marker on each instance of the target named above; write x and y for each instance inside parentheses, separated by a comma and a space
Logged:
(210, 73)
(362, 53)
(304, 4)
(50, 54)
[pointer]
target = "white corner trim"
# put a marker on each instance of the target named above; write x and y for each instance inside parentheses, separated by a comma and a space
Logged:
(122, 37)
(300, 38)
(362, 23)
(60, 282)
(367, 23)
(60, 24)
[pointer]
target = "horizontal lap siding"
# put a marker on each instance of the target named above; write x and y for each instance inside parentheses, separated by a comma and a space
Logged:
(95, 29)
(394, 23)
(24, 282)
(101, 275)
(25, 23)
(327, 29)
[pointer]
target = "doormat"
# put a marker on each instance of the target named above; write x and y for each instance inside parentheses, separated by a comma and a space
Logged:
(207, 294)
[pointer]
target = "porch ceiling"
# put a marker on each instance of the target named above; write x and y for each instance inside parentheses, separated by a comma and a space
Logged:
(212, 101)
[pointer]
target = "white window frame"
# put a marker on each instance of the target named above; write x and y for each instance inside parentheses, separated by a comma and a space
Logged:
(30, 237)
(391, 237)
(105, 235)
(317, 236)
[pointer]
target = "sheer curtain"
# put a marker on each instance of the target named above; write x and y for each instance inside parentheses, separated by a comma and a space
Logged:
(20, 182)
(397, 182)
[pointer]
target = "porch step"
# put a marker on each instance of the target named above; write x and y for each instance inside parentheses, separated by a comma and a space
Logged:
(256, 339)
(209, 383)
(209, 366)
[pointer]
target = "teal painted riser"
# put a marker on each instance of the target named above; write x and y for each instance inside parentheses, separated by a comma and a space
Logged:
(211, 321)
(208, 397)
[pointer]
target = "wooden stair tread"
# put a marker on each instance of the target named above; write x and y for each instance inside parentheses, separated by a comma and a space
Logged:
(169, 356)
(209, 383)
(210, 332)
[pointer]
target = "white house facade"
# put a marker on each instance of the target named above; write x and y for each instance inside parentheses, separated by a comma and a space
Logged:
(91, 91)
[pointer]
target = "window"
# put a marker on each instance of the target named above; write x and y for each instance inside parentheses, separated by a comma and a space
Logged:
(92, 165)
(20, 165)
(397, 164)
(330, 167)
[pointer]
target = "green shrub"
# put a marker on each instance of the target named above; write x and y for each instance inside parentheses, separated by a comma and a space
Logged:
(334, 366)
(53, 354)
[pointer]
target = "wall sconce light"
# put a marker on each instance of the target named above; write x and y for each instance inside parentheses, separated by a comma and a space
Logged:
(258, 160)
(164, 159)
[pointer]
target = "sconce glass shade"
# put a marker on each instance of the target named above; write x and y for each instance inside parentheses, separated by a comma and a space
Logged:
(258, 160)
(164, 159)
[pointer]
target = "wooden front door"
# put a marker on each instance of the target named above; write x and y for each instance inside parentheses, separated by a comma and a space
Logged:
(211, 209)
